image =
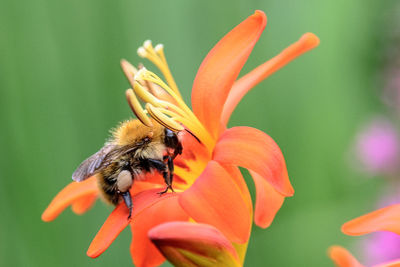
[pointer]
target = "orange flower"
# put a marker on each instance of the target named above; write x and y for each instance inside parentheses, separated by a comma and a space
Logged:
(210, 189)
(385, 219)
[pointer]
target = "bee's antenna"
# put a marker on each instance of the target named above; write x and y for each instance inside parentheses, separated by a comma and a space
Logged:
(192, 134)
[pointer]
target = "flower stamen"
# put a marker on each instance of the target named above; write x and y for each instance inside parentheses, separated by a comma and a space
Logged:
(165, 98)
(162, 119)
(137, 108)
(145, 95)
(182, 114)
(157, 57)
(129, 71)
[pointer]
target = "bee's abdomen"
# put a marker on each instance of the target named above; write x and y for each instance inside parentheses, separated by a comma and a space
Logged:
(108, 183)
(109, 189)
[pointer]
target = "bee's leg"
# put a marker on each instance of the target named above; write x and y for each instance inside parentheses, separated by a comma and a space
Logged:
(163, 169)
(128, 201)
(165, 176)
(168, 175)
(166, 169)
(171, 172)
(157, 164)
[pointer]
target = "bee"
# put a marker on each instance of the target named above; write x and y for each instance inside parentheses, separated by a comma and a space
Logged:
(133, 150)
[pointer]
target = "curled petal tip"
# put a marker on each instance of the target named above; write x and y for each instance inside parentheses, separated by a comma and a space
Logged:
(260, 14)
(268, 201)
(46, 218)
(254, 150)
(310, 40)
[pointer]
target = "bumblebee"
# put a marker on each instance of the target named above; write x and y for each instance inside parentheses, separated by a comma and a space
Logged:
(133, 150)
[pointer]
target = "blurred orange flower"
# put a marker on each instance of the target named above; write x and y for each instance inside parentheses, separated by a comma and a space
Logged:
(385, 219)
(211, 198)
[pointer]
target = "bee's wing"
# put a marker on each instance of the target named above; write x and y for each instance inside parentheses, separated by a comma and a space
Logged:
(92, 164)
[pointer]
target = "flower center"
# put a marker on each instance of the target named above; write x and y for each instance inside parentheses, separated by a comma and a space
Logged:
(164, 103)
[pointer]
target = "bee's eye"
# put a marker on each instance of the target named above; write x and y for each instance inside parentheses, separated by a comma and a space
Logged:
(171, 139)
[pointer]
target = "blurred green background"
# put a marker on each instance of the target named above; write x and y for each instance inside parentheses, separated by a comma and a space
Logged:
(62, 90)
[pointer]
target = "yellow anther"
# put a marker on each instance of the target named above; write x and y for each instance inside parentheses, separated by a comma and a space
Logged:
(156, 55)
(145, 95)
(147, 45)
(140, 74)
(142, 52)
(129, 71)
(137, 108)
(159, 49)
(146, 75)
(163, 119)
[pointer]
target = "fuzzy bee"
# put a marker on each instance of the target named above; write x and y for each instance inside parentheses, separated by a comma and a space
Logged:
(133, 150)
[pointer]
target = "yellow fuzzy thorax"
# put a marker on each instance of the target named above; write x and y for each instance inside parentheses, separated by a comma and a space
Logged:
(132, 131)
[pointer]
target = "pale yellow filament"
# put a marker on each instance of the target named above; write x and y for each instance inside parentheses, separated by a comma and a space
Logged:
(162, 119)
(158, 58)
(150, 98)
(189, 124)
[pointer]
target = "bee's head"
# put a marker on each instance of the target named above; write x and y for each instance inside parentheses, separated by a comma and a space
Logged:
(171, 139)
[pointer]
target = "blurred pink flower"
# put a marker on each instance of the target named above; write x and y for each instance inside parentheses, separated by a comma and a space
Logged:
(383, 246)
(377, 147)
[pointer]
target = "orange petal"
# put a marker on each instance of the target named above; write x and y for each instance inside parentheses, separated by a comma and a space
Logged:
(191, 244)
(143, 251)
(307, 42)
(118, 220)
(385, 219)
(67, 196)
(342, 258)
(252, 149)
(192, 149)
(215, 199)
(220, 68)
(241, 183)
(268, 201)
(83, 204)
